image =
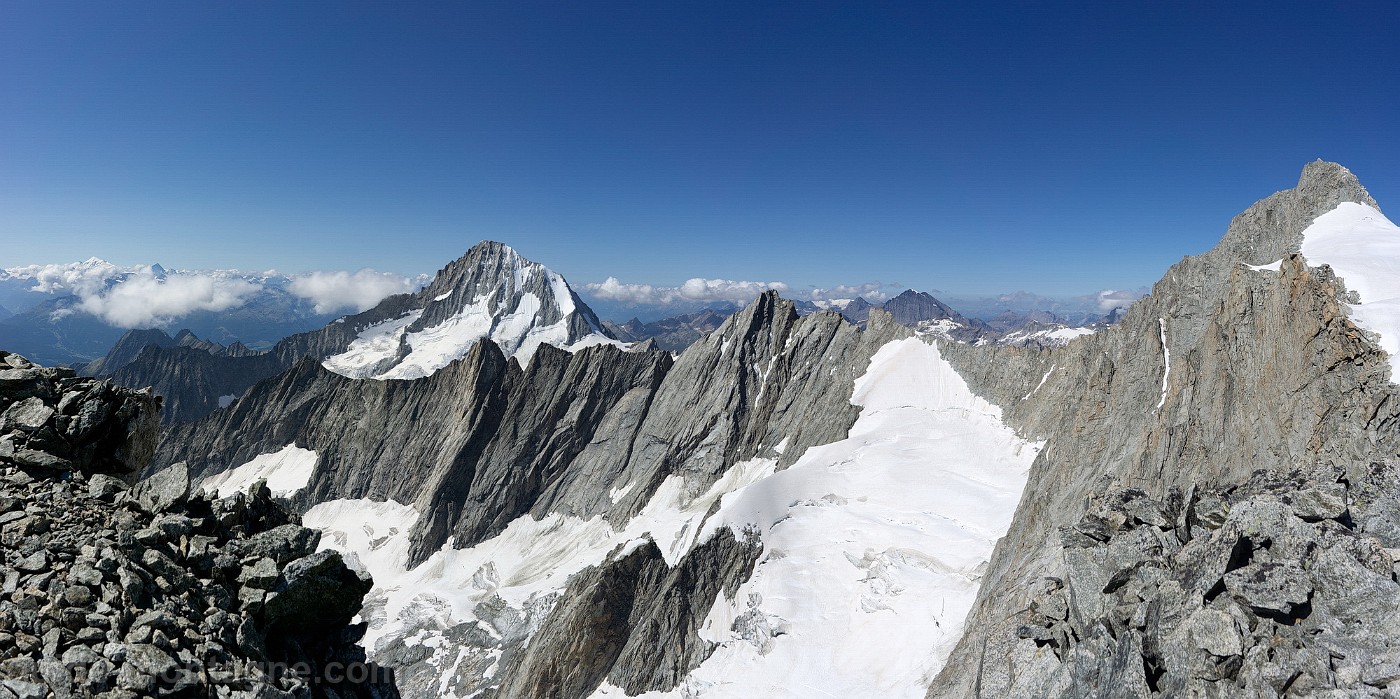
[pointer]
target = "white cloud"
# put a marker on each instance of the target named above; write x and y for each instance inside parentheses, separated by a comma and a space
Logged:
(700, 290)
(143, 300)
(147, 296)
(697, 290)
(612, 289)
(359, 291)
(81, 278)
(870, 291)
(1110, 299)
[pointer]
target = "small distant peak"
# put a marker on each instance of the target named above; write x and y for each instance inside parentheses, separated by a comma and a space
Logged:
(184, 334)
(157, 271)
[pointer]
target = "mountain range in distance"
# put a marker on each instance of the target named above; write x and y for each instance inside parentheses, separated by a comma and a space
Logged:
(74, 314)
(491, 292)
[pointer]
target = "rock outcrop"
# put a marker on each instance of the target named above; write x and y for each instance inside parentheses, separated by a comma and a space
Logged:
(1284, 585)
(633, 622)
(112, 591)
(929, 316)
(53, 420)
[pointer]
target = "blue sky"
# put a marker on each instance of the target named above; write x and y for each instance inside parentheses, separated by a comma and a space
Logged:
(965, 147)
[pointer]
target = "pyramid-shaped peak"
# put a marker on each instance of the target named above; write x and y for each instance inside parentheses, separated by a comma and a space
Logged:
(491, 292)
(910, 294)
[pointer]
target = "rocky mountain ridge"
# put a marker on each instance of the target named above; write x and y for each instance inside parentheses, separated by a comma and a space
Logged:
(484, 445)
(129, 347)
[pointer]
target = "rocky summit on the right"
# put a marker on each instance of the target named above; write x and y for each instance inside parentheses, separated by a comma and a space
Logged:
(1216, 509)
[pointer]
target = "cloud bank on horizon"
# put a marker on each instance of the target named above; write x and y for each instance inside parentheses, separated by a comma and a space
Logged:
(701, 290)
(148, 296)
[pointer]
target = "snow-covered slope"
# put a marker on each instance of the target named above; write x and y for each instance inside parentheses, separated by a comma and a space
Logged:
(873, 545)
(1044, 335)
(285, 472)
(872, 549)
(1363, 248)
(491, 292)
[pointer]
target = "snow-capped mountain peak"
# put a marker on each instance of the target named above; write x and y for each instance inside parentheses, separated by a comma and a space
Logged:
(490, 292)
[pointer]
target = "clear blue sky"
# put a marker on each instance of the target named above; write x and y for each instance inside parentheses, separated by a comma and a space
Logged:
(968, 147)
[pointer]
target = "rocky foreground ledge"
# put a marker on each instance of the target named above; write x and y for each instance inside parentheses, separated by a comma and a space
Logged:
(1284, 585)
(116, 591)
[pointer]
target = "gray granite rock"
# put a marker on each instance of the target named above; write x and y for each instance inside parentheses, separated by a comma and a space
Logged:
(1268, 604)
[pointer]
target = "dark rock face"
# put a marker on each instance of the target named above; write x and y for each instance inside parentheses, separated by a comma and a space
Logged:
(118, 593)
(126, 349)
(1245, 590)
(129, 347)
(553, 437)
(858, 311)
(1266, 372)
(928, 315)
(912, 307)
(482, 430)
(633, 622)
(191, 381)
